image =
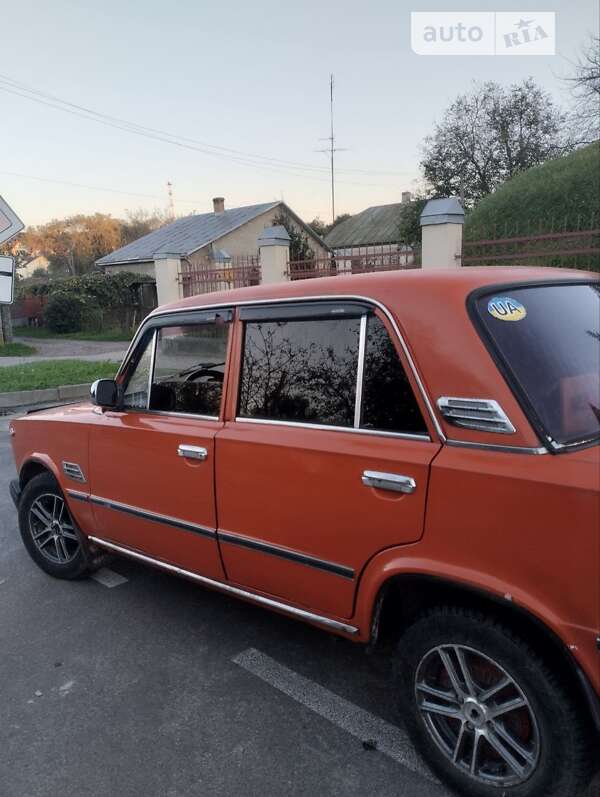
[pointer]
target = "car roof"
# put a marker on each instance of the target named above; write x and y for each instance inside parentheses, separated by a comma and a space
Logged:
(382, 286)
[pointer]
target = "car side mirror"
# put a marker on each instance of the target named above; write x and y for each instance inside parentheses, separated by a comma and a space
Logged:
(105, 393)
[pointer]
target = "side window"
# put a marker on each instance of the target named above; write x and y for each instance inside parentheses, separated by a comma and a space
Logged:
(189, 368)
(388, 402)
(136, 392)
(300, 370)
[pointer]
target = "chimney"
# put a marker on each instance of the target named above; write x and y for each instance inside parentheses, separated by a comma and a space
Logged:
(219, 204)
(406, 197)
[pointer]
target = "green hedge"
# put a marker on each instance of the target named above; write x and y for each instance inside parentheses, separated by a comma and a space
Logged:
(561, 194)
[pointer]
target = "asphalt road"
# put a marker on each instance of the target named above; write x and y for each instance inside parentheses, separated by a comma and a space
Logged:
(155, 686)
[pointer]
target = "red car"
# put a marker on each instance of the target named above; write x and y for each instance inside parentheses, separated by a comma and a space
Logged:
(410, 454)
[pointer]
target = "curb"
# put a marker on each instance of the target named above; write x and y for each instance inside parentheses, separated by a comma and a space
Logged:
(20, 398)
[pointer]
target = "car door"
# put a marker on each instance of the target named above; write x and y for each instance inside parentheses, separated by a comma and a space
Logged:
(152, 462)
(325, 458)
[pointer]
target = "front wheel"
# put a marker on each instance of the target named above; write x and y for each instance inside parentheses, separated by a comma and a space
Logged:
(487, 713)
(49, 532)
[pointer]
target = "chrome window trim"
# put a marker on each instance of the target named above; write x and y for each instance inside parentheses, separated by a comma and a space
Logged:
(320, 297)
(360, 370)
(327, 622)
(498, 447)
(188, 415)
(324, 427)
(154, 344)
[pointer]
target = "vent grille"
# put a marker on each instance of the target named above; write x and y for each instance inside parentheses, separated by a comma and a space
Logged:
(73, 471)
(484, 415)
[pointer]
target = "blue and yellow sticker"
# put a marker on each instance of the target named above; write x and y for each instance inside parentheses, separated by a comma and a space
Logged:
(505, 308)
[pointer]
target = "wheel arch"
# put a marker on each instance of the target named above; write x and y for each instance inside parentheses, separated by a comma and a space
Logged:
(404, 597)
(34, 466)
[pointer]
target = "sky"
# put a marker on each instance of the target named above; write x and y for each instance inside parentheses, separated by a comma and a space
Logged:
(251, 78)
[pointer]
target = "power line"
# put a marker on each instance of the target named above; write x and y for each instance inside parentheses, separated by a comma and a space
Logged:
(16, 88)
(98, 188)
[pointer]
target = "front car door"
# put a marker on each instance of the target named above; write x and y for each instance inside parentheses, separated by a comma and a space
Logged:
(152, 462)
(326, 461)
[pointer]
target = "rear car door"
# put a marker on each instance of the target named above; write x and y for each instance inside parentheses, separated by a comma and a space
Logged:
(327, 460)
(152, 463)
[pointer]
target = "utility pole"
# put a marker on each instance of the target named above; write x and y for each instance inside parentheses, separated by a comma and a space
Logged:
(171, 206)
(331, 149)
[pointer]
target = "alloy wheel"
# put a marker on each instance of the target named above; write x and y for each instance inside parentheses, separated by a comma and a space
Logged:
(477, 715)
(52, 529)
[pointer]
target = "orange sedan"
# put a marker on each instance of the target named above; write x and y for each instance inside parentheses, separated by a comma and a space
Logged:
(410, 455)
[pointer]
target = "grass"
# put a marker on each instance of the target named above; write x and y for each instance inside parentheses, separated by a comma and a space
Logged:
(16, 350)
(53, 374)
(41, 333)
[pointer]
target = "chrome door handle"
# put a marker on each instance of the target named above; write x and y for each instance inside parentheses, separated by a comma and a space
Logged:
(389, 481)
(192, 452)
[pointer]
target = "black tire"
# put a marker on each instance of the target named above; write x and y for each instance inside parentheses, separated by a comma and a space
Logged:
(52, 540)
(549, 725)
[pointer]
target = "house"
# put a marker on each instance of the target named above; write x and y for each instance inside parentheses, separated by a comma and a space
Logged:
(372, 231)
(35, 264)
(219, 237)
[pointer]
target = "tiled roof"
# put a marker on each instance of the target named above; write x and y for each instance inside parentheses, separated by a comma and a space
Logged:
(376, 225)
(186, 235)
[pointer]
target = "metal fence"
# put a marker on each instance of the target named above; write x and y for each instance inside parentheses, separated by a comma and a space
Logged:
(566, 249)
(209, 276)
(342, 262)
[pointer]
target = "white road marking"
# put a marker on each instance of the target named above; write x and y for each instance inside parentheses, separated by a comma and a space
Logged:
(108, 578)
(360, 723)
(66, 688)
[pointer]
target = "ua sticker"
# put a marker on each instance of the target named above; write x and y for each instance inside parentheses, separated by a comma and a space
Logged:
(505, 308)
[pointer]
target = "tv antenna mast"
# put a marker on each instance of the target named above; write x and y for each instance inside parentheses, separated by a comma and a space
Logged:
(171, 205)
(331, 149)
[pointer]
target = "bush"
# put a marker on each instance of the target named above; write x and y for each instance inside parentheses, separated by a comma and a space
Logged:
(560, 194)
(64, 313)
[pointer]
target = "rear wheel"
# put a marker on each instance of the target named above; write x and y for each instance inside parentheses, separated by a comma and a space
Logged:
(49, 532)
(486, 711)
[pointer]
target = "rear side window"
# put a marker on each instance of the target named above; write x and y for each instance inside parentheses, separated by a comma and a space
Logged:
(388, 402)
(547, 340)
(308, 371)
(300, 371)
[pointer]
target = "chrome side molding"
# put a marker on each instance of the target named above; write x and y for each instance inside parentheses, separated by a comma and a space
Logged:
(294, 611)
(389, 481)
(483, 415)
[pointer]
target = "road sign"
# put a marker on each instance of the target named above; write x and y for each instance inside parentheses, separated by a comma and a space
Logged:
(7, 279)
(10, 223)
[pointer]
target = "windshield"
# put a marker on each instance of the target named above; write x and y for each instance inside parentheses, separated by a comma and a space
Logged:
(548, 339)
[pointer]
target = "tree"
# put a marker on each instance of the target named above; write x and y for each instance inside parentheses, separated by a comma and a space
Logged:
(585, 89)
(323, 229)
(489, 135)
(409, 226)
(300, 249)
(72, 245)
(140, 222)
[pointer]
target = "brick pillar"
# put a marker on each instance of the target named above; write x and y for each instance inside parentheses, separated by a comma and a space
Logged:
(274, 254)
(441, 233)
(168, 287)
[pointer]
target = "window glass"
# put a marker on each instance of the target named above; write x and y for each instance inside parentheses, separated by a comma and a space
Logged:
(136, 392)
(549, 337)
(300, 371)
(189, 368)
(388, 402)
